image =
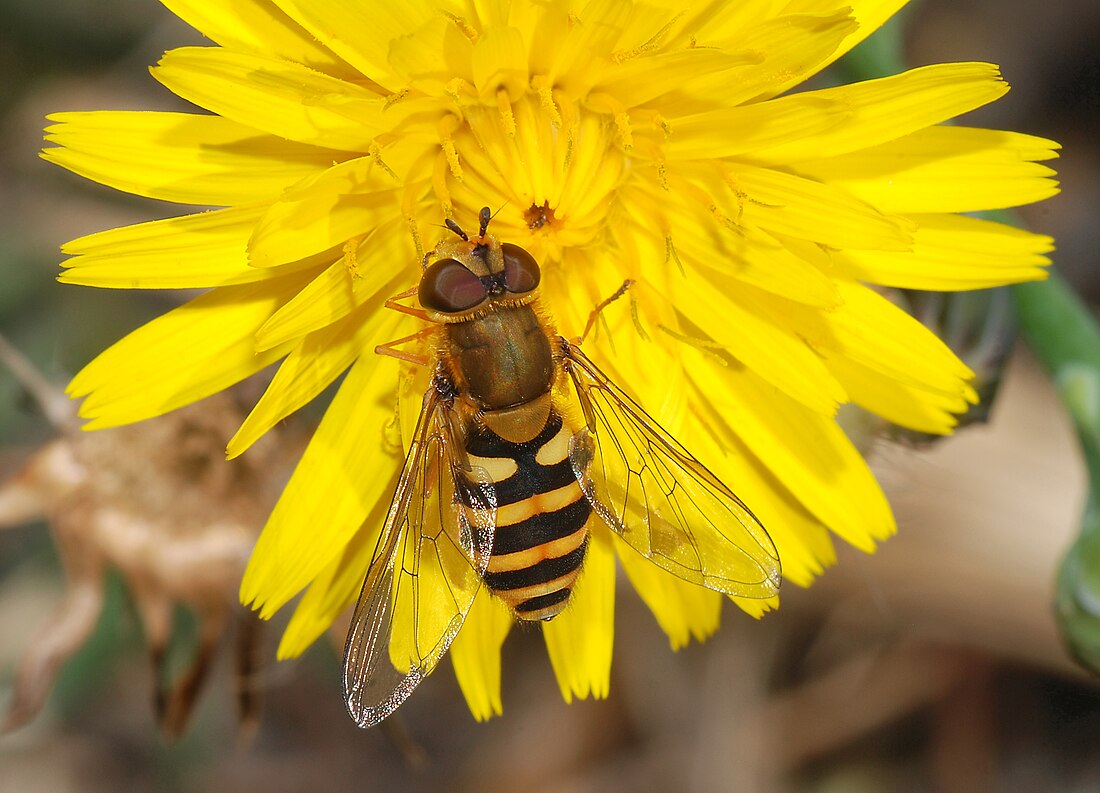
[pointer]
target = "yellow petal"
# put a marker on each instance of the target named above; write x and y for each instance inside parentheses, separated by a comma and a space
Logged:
(476, 655)
(889, 108)
(340, 288)
(871, 330)
(803, 542)
(792, 45)
(191, 352)
(581, 638)
(257, 26)
(364, 39)
(641, 80)
(326, 210)
(684, 611)
(951, 252)
(690, 238)
(869, 16)
(716, 306)
(314, 364)
(278, 97)
(338, 585)
(196, 251)
(750, 129)
(805, 450)
(806, 209)
(901, 403)
(345, 471)
(179, 157)
(499, 62)
(594, 30)
(945, 169)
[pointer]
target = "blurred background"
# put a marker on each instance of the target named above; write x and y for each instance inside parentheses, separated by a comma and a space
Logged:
(933, 665)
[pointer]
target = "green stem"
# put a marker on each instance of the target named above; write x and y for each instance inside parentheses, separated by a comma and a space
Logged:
(1064, 335)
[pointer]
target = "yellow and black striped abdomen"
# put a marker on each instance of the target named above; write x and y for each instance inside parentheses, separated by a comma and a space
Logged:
(541, 521)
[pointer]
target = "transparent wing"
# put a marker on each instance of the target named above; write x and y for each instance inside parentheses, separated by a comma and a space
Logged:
(654, 494)
(425, 572)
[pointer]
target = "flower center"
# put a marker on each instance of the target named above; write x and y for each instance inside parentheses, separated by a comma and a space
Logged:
(538, 216)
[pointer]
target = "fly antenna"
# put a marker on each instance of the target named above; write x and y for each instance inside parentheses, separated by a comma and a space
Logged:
(484, 216)
(457, 229)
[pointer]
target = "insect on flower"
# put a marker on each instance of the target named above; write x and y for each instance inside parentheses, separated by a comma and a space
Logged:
(521, 443)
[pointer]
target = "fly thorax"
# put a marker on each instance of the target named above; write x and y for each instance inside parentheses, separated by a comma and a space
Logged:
(504, 356)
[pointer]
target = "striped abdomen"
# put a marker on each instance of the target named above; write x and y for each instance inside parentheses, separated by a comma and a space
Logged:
(541, 520)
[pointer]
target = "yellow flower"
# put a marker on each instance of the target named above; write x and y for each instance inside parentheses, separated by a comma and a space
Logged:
(654, 141)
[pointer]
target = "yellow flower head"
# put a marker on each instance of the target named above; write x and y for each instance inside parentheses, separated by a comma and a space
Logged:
(652, 141)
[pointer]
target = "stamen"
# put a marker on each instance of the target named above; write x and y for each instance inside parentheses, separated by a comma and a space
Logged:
(467, 30)
(605, 103)
(725, 220)
(439, 184)
(739, 193)
(506, 117)
(351, 255)
(649, 46)
(393, 99)
(374, 154)
(636, 317)
(662, 173)
(446, 126)
(622, 126)
(661, 123)
(707, 346)
(546, 99)
(570, 123)
(672, 255)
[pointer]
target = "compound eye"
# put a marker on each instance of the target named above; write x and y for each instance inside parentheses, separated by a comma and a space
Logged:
(448, 287)
(521, 271)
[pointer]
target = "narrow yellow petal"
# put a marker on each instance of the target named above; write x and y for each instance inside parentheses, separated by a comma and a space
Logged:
(594, 31)
(581, 638)
(343, 474)
(476, 654)
(206, 249)
(189, 159)
(278, 97)
(901, 403)
(803, 542)
(952, 252)
(684, 611)
(364, 39)
(752, 129)
(326, 210)
(889, 108)
(869, 16)
(717, 306)
(808, 452)
(690, 237)
(191, 352)
(945, 169)
(258, 26)
(806, 209)
(499, 61)
(339, 289)
(792, 45)
(315, 363)
(872, 331)
(337, 586)
(640, 81)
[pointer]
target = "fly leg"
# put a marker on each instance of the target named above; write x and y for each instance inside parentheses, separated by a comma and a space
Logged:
(390, 347)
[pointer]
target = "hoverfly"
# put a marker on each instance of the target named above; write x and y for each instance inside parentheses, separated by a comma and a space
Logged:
(521, 443)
